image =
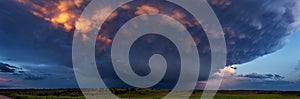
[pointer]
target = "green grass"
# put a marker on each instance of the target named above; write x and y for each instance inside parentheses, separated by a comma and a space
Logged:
(255, 96)
(147, 94)
(155, 96)
(17, 96)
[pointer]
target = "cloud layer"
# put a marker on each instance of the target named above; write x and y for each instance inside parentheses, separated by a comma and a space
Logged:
(262, 76)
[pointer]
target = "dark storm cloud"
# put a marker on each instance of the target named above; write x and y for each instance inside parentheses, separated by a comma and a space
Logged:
(27, 38)
(6, 68)
(262, 76)
(278, 77)
(17, 71)
(253, 28)
(40, 76)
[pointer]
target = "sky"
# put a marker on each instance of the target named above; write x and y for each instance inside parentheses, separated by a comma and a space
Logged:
(285, 60)
(261, 39)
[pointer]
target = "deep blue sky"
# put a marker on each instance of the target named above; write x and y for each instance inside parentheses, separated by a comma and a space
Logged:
(284, 62)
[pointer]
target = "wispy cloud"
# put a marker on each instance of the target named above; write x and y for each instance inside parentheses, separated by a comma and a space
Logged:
(256, 81)
(297, 67)
(262, 76)
(34, 77)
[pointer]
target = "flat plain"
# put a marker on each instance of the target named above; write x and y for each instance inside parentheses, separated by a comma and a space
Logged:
(126, 93)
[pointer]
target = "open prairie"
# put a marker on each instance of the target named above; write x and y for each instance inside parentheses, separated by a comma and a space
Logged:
(144, 94)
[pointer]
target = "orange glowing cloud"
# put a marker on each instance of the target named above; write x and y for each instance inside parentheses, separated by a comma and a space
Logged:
(62, 13)
(104, 39)
(146, 9)
(126, 7)
(64, 19)
(229, 70)
(86, 25)
(65, 14)
(179, 15)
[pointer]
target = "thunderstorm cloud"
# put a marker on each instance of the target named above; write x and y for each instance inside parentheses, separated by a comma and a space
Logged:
(41, 32)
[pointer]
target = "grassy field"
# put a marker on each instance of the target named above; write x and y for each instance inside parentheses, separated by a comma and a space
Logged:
(144, 94)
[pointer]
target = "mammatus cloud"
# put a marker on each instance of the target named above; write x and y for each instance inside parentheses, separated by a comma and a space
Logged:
(62, 13)
(249, 32)
(253, 28)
